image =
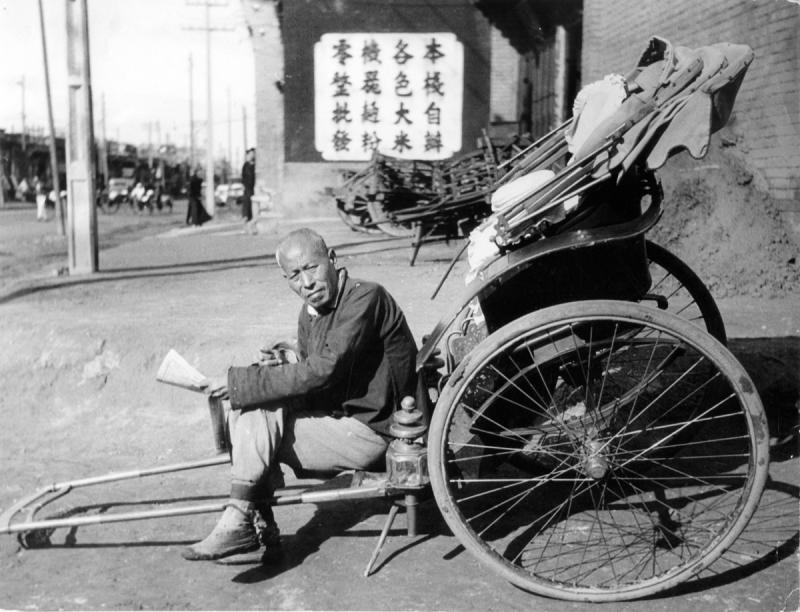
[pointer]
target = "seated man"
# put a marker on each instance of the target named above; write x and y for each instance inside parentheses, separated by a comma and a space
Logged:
(329, 411)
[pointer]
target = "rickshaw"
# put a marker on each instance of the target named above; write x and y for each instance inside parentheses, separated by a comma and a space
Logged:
(584, 430)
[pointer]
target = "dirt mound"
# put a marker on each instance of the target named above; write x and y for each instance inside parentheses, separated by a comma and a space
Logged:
(720, 221)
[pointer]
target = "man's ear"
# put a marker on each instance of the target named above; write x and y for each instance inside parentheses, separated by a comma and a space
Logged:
(332, 255)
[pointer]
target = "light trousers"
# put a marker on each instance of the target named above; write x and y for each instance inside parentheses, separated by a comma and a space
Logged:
(307, 441)
(41, 207)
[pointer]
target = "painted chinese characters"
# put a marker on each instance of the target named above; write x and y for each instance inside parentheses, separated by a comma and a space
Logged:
(399, 94)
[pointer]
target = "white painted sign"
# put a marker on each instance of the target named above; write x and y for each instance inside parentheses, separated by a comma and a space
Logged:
(399, 94)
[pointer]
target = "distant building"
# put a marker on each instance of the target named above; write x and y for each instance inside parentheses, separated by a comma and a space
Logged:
(28, 158)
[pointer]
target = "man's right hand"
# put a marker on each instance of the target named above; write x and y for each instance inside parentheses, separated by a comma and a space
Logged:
(270, 357)
(277, 355)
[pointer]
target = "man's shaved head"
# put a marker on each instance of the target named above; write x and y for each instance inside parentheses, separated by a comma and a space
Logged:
(303, 237)
(309, 267)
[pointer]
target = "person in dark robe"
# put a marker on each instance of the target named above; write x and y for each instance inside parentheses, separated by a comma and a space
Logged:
(249, 183)
(196, 213)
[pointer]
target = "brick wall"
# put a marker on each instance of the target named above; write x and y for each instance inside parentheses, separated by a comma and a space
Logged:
(767, 112)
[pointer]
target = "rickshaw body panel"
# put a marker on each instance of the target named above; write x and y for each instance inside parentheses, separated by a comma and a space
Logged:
(555, 250)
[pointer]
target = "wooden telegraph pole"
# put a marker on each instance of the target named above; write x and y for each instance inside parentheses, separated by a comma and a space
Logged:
(82, 212)
(209, 182)
(230, 150)
(62, 229)
(191, 116)
(244, 128)
(21, 84)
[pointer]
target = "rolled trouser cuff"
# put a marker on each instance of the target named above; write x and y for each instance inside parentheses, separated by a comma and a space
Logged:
(247, 491)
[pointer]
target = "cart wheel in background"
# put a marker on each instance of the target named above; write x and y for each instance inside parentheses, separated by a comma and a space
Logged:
(112, 206)
(598, 451)
(357, 218)
(381, 219)
(677, 289)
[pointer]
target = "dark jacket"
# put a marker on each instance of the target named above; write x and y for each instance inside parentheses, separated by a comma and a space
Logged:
(195, 187)
(357, 358)
(249, 177)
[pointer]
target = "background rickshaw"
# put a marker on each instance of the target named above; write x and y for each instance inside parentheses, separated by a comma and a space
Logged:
(589, 436)
(416, 198)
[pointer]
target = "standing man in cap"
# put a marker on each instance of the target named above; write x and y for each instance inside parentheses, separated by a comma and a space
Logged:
(328, 411)
(249, 183)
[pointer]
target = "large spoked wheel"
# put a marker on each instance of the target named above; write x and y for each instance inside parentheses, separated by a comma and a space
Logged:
(598, 451)
(677, 289)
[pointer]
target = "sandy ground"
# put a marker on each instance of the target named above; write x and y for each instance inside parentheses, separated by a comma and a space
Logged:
(78, 358)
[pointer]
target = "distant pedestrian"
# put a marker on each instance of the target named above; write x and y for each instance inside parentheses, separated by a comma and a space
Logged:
(23, 190)
(249, 183)
(6, 188)
(196, 213)
(41, 200)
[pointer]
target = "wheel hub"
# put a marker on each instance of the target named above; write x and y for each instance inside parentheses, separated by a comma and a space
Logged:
(595, 463)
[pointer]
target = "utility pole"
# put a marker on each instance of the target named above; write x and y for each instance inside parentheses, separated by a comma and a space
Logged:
(60, 223)
(82, 217)
(209, 182)
(209, 120)
(230, 126)
(21, 83)
(244, 128)
(103, 140)
(191, 117)
(149, 143)
(2, 172)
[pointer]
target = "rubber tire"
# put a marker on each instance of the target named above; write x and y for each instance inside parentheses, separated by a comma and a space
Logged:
(692, 335)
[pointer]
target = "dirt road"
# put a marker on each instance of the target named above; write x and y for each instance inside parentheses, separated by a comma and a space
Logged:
(78, 358)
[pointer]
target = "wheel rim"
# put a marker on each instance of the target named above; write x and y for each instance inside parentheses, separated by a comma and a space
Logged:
(598, 456)
(356, 216)
(380, 217)
(676, 288)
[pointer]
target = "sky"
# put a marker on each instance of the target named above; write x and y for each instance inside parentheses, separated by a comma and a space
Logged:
(139, 53)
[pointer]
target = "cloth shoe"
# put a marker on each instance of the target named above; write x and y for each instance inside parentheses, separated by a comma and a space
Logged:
(234, 534)
(268, 534)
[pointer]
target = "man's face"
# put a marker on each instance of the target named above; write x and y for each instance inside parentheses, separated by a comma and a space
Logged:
(311, 274)
(251, 156)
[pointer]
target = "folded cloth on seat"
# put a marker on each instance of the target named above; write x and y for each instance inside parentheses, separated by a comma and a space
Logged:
(594, 103)
(651, 73)
(707, 108)
(481, 248)
(520, 188)
(677, 98)
(686, 71)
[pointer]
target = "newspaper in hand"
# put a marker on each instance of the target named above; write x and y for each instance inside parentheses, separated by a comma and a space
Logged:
(175, 370)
